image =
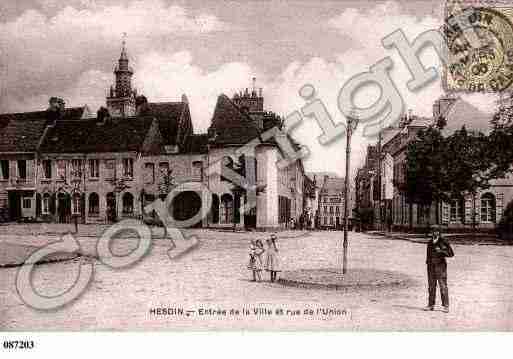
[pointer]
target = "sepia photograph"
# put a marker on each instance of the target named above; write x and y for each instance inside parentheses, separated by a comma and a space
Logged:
(243, 165)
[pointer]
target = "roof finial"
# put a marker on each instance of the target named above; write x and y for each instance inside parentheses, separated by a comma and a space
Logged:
(123, 48)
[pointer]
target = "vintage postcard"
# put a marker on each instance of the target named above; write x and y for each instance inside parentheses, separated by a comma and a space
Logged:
(255, 165)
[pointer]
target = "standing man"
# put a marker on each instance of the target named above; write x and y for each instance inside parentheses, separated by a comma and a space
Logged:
(437, 249)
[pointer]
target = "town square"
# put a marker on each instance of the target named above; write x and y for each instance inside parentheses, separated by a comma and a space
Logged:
(214, 276)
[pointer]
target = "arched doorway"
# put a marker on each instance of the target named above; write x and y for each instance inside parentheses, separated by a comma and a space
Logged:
(111, 207)
(63, 208)
(186, 205)
(94, 205)
(215, 208)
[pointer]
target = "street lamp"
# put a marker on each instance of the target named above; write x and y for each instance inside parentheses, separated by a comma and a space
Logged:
(352, 123)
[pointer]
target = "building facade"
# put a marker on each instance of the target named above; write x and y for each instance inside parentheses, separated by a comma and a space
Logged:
(331, 203)
(393, 211)
(64, 164)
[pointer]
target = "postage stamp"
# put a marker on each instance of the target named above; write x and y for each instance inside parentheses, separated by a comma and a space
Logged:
(479, 39)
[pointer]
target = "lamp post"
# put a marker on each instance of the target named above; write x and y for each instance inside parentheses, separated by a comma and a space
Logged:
(352, 122)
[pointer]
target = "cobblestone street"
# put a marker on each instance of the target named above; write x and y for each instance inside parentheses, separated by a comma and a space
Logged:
(214, 276)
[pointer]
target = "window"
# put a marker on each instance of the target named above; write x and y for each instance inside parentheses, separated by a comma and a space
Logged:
(47, 169)
(456, 210)
(76, 203)
(61, 169)
(46, 204)
(94, 204)
(22, 169)
(325, 209)
(128, 203)
(149, 173)
(197, 170)
(76, 168)
(331, 220)
(487, 208)
(4, 169)
(337, 209)
(27, 203)
(94, 168)
(128, 167)
(110, 169)
(331, 209)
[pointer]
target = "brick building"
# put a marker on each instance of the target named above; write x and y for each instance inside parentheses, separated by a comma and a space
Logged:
(64, 163)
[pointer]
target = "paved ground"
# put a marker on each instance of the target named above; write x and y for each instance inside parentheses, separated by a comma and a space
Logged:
(215, 277)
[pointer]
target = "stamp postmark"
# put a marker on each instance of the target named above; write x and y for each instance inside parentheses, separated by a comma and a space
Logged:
(486, 65)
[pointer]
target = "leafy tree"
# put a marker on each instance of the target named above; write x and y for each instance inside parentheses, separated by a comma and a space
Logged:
(439, 167)
(500, 150)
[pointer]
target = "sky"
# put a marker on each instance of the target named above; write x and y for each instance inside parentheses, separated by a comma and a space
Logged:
(204, 48)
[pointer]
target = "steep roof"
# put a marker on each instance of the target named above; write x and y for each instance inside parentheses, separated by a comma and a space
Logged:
(86, 136)
(21, 132)
(169, 115)
(231, 126)
(462, 113)
(22, 135)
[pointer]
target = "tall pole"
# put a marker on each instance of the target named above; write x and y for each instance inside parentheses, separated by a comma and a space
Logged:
(352, 122)
(380, 211)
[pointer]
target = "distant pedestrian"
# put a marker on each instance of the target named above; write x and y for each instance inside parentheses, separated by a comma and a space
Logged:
(272, 260)
(256, 249)
(437, 250)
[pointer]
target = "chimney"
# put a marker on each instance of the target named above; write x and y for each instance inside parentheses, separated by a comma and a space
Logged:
(103, 116)
(55, 110)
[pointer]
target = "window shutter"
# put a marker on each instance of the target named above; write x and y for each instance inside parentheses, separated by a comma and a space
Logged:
(468, 210)
(445, 213)
(478, 209)
(499, 207)
(30, 169)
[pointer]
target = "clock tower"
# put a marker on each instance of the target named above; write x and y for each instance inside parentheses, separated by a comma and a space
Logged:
(121, 99)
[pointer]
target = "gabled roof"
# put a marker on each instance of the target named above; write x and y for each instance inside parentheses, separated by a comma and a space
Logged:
(88, 136)
(462, 113)
(231, 126)
(22, 135)
(21, 132)
(169, 115)
(72, 113)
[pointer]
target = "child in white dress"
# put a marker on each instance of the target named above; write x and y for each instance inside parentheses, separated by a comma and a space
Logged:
(272, 260)
(256, 249)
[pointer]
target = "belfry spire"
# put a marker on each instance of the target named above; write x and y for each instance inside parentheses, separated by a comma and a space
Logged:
(121, 99)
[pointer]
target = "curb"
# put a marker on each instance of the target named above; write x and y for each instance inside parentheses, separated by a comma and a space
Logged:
(330, 286)
(458, 242)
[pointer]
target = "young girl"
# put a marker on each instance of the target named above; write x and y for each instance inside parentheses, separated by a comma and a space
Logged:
(255, 262)
(272, 262)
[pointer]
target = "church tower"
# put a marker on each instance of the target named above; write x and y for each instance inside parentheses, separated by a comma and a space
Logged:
(121, 99)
